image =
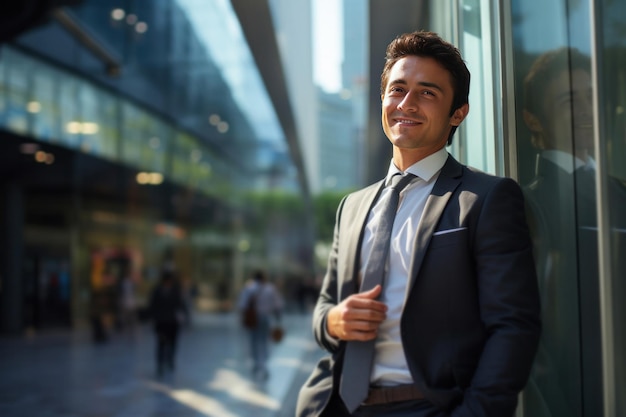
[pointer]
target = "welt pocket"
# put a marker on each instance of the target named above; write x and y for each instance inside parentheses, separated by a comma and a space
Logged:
(455, 237)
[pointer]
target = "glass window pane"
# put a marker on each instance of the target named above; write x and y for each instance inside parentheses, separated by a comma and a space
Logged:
(475, 141)
(69, 88)
(44, 112)
(16, 84)
(555, 142)
(477, 133)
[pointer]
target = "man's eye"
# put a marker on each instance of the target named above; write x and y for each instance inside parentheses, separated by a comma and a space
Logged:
(428, 93)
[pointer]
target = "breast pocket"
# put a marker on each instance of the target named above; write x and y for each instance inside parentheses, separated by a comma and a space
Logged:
(443, 238)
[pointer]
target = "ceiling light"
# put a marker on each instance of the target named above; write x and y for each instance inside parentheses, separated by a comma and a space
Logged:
(141, 27)
(214, 119)
(222, 127)
(118, 14)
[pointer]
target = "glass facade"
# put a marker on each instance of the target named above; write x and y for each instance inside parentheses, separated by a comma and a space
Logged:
(549, 111)
(157, 146)
(569, 138)
(547, 108)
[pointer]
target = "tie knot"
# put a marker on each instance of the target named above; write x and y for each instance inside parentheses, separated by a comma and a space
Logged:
(398, 182)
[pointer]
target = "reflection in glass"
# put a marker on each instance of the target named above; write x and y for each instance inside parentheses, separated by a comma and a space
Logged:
(558, 111)
(612, 81)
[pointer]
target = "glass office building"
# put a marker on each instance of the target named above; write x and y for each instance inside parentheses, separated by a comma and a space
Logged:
(142, 147)
(137, 136)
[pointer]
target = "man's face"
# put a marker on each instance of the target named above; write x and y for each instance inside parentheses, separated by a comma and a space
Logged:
(416, 107)
(568, 113)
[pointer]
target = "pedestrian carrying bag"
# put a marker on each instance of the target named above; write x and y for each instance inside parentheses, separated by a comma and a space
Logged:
(249, 317)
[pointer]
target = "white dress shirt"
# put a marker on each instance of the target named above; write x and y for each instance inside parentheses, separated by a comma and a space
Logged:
(390, 367)
(566, 161)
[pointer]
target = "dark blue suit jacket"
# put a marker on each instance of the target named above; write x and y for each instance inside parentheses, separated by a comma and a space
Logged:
(470, 326)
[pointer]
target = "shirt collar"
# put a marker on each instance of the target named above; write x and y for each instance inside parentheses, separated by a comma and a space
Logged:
(566, 161)
(426, 168)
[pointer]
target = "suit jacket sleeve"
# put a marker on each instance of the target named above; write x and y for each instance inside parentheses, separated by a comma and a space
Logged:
(508, 301)
(328, 296)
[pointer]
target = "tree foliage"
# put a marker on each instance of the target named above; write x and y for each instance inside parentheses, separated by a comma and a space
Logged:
(325, 209)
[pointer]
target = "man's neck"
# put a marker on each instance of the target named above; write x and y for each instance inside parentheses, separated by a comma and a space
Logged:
(404, 158)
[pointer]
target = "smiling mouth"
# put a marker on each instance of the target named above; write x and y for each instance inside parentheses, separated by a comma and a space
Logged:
(405, 121)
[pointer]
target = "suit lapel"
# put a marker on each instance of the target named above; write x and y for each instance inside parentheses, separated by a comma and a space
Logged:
(358, 222)
(449, 179)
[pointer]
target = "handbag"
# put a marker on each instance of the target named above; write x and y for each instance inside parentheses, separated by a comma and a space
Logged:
(277, 333)
(249, 317)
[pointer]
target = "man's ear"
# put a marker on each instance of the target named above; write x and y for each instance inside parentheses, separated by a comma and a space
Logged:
(459, 115)
(532, 122)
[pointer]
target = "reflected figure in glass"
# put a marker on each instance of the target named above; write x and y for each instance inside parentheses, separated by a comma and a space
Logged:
(558, 111)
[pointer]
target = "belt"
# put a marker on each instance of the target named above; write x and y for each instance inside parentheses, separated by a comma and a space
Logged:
(384, 395)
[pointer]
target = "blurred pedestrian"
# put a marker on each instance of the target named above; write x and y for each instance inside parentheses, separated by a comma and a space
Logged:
(98, 309)
(168, 311)
(267, 304)
(128, 304)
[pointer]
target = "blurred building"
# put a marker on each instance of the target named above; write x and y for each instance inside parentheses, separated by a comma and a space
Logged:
(138, 136)
(338, 160)
(130, 135)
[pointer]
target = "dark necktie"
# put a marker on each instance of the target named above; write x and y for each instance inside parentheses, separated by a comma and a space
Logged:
(358, 358)
(585, 189)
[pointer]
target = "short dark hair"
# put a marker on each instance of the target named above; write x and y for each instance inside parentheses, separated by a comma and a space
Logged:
(258, 275)
(546, 68)
(431, 45)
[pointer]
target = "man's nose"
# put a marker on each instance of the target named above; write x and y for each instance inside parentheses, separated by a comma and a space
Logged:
(408, 103)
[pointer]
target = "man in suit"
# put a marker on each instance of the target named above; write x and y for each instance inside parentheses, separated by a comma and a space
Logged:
(455, 323)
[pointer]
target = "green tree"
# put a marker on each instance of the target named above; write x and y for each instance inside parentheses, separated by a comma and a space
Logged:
(325, 208)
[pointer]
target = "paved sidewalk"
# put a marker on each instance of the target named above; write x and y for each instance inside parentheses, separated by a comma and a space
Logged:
(64, 374)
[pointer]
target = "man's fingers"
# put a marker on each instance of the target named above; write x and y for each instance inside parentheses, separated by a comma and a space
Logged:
(363, 318)
(357, 329)
(371, 294)
(358, 316)
(366, 300)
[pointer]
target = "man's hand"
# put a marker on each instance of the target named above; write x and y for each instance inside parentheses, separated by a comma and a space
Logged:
(357, 317)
